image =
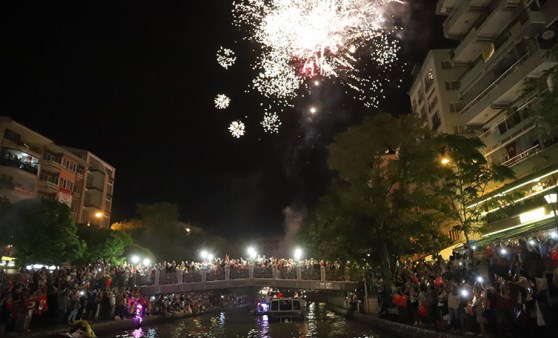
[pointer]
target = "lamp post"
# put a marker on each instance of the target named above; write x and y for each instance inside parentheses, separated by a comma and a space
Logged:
(551, 199)
(98, 215)
(252, 253)
(297, 254)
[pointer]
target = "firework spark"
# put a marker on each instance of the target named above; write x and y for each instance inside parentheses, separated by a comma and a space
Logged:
(222, 101)
(271, 123)
(226, 57)
(303, 39)
(237, 129)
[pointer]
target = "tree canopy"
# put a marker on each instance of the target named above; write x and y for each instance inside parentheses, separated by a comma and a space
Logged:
(464, 178)
(42, 231)
(105, 244)
(383, 200)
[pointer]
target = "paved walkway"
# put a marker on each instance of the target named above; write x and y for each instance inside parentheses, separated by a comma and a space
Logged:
(395, 328)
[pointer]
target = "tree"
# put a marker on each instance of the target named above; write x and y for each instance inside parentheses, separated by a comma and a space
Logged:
(43, 232)
(103, 244)
(464, 179)
(383, 200)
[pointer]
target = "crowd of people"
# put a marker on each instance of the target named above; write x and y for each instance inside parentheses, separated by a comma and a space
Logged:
(504, 289)
(507, 288)
(46, 296)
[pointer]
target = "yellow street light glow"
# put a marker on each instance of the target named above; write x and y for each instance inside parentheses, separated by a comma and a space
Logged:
(445, 161)
(98, 214)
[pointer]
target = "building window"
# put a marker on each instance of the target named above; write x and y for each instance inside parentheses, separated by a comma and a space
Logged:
(456, 107)
(453, 85)
(49, 179)
(454, 235)
(447, 65)
(433, 103)
(436, 122)
(428, 80)
(12, 136)
(423, 112)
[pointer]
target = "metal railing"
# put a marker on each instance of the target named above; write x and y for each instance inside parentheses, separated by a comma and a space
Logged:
(244, 273)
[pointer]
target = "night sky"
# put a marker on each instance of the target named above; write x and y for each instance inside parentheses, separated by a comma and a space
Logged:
(134, 82)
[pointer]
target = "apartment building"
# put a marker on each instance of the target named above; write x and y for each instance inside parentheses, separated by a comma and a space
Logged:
(477, 89)
(21, 150)
(61, 177)
(33, 166)
(98, 188)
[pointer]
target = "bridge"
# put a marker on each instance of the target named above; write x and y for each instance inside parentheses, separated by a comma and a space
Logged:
(310, 278)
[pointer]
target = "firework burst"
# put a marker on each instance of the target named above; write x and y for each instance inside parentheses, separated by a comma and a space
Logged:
(237, 129)
(303, 39)
(226, 57)
(271, 123)
(222, 101)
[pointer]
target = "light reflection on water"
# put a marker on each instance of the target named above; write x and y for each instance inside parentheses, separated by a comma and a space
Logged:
(239, 323)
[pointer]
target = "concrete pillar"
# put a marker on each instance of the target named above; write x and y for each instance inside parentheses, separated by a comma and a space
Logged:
(227, 272)
(298, 273)
(251, 271)
(179, 276)
(203, 273)
(157, 275)
(322, 273)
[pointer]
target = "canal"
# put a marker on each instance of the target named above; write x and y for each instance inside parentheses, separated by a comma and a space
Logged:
(239, 323)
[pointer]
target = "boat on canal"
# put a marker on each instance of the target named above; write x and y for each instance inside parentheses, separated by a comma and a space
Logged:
(286, 309)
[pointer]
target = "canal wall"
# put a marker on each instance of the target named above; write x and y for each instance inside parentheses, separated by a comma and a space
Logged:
(103, 327)
(340, 306)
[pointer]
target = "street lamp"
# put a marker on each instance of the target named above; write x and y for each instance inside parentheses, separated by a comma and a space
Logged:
(551, 199)
(298, 253)
(251, 252)
(135, 259)
(445, 161)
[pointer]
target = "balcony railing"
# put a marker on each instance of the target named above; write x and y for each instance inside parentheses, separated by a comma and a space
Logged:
(15, 163)
(522, 156)
(499, 79)
(55, 164)
(246, 273)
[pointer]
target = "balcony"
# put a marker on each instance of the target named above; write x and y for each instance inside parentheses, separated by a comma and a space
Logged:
(52, 165)
(48, 186)
(522, 156)
(499, 19)
(92, 204)
(94, 187)
(470, 48)
(15, 163)
(463, 18)
(502, 86)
